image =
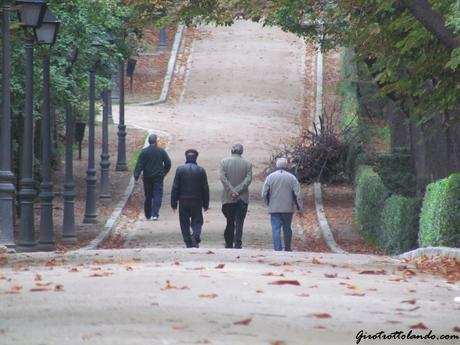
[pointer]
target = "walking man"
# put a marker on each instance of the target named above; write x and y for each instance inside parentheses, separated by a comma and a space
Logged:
(154, 164)
(236, 176)
(281, 192)
(190, 188)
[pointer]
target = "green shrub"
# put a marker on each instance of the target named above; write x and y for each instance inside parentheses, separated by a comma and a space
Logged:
(440, 216)
(400, 218)
(354, 150)
(397, 172)
(369, 200)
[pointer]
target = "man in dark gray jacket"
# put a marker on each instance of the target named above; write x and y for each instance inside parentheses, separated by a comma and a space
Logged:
(281, 192)
(236, 176)
(154, 164)
(190, 189)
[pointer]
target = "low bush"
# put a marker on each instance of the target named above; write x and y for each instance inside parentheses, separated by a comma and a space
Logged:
(400, 219)
(440, 215)
(369, 201)
(397, 172)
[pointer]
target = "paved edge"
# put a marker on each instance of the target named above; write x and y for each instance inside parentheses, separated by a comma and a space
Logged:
(447, 252)
(171, 66)
(323, 224)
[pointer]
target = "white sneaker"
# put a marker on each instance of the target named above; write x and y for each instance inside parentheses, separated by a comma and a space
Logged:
(155, 218)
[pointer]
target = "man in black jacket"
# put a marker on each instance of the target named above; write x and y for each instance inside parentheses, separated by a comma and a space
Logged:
(154, 163)
(191, 190)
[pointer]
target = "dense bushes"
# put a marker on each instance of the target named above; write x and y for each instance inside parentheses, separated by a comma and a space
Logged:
(400, 217)
(397, 172)
(369, 201)
(440, 216)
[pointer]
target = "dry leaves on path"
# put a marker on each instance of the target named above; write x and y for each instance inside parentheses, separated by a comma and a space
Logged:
(210, 295)
(409, 301)
(244, 322)
(170, 286)
(219, 266)
(285, 282)
(330, 275)
(376, 272)
(320, 315)
(269, 274)
(441, 266)
(40, 289)
(419, 325)
(101, 274)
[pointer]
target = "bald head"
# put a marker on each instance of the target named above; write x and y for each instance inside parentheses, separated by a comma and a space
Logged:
(281, 163)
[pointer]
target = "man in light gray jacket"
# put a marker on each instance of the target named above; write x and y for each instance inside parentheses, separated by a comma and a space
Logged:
(236, 176)
(281, 192)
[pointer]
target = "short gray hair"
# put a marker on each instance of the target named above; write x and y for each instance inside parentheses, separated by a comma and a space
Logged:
(237, 148)
(281, 163)
(153, 139)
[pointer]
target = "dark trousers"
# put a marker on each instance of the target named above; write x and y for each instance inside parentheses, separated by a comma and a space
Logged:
(190, 215)
(235, 214)
(153, 190)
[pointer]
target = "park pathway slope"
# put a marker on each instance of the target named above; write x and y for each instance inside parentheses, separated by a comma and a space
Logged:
(245, 86)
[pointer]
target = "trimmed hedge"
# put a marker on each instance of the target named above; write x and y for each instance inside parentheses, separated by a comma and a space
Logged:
(400, 218)
(397, 172)
(369, 201)
(440, 216)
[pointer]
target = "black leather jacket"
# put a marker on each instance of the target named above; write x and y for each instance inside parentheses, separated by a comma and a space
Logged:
(190, 184)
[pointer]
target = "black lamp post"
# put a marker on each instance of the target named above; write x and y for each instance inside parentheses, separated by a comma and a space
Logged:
(105, 157)
(46, 34)
(68, 227)
(31, 14)
(121, 154)
(6, 175)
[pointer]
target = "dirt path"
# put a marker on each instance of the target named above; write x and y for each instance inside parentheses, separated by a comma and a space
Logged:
(252, 96)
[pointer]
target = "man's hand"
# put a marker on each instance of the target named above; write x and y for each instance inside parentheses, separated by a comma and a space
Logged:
(206, 209)
(234, 195)
(174, 210)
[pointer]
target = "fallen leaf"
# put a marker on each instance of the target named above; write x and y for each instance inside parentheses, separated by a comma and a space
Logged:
(40, 289)
(349, 285)
(393, 322)
(420, 325)
(38, 277)
(74, 269)
(177, 263)
(316, 261)
(219, 266)
(411, 309)
(278, 342)
(373, 272)
(410, 301)
(101, 274)
(456, 329)
(269, 274)
(259, 291)
(320, 315)
(244, 322)
(211, 295)
(284, 282)
(210, 252)
(360, 294)
(330, 275)
(59, 288)
(44, 284)
(313, 286)
(170, 286)
(198, 268)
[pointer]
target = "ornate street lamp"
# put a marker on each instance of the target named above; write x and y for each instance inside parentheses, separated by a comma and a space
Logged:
(91, 179)
(121, 154)
(6, 175)
(68, 227)
(31, 14)
(105, 157)
(46, 34)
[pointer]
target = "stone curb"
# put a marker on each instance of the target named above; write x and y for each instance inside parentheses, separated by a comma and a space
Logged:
(170, 71)
(322, 220)
(432, 251)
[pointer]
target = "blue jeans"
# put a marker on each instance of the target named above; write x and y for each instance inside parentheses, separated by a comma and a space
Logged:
(281, 220)
(153, 189)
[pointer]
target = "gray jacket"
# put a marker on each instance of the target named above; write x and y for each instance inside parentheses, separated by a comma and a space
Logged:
(236, 176)
(281, 192)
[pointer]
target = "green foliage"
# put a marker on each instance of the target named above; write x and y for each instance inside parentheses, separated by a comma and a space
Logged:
(440, 216)
(400, 218)
(369, 201)
(396, 172)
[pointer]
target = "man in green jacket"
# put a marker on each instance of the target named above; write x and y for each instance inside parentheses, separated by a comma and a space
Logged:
(236, 176)
(154, 164)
